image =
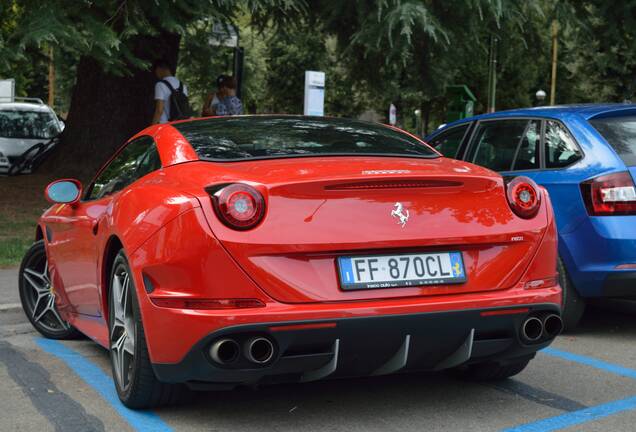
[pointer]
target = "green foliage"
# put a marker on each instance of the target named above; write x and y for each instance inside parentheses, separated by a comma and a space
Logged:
(275, 62)
(289, 55)
(599, 55)
(104, 29)
(374, 52)
(108, 32)
(201, 63)
(408, 51)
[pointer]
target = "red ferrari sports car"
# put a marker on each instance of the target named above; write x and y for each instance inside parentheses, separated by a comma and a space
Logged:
(249, 250)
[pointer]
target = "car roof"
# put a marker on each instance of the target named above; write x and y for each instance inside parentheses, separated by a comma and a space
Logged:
(23, 106)
(587, 111)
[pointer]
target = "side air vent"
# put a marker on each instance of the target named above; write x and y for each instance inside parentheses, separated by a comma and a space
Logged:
(393, 184)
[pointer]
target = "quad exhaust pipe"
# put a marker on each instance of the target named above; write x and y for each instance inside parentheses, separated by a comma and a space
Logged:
(532, 329)
(552, 325)
(258, 350)
(225, 351)
(535, 329)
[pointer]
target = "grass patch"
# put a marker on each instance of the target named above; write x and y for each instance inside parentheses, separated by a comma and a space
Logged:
(21, 204)
(12, 250)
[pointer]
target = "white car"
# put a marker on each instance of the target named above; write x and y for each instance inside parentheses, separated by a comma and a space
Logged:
(24, 123)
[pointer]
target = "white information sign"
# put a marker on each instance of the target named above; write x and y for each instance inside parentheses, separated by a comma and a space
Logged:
(223, 35)
(314, 93)
(7, 90)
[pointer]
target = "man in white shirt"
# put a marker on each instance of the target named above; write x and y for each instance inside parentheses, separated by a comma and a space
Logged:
(163, 92)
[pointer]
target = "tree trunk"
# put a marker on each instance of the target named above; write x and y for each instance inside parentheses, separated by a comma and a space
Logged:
(107, 109)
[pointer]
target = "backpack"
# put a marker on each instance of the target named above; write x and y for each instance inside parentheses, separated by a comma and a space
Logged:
(179, 104)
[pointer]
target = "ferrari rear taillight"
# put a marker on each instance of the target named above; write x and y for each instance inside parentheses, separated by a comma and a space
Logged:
(239, 206)
(524, 197)
(609, 195)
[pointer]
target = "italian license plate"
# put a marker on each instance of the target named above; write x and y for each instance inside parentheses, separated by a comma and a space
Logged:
(392, 271)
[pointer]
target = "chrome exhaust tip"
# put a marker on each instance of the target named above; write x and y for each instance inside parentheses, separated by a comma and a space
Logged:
(532, 329)
(259, 350)
(225, 351)
(552, 325)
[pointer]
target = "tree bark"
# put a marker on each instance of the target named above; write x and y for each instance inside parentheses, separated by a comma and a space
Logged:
(107, 109)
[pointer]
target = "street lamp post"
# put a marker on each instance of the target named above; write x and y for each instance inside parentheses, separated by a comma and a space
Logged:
(492, 74)
(540, 95)
(555, 32)
(418, 122)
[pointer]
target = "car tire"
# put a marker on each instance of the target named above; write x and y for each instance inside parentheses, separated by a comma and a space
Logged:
(491, 371)
(135, 381)
(37, 295)
(572, 304)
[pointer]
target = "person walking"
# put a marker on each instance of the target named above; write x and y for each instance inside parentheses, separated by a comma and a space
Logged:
(224, 102)
(171, 96)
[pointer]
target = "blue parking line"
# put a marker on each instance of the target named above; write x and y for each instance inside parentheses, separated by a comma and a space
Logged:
(588, 414)
(103, 384)
(577, 417)
(589, 361)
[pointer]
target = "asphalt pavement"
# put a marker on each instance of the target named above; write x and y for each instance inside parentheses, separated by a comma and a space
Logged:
(585, 382)
(9, 297)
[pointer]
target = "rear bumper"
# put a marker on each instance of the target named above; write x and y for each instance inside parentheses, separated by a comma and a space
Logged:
(361, 346)
(620, 284)
(594, 250)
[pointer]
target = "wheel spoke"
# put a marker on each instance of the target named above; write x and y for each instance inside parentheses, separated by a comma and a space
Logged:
(39, 299)
(58, 318)
(129, 326)
(122, 331)
(41, 296)
(118, 311)
(124, 294)
(38, 287)
(123, 370)
(41, 276)
(129, 345)
(49, 305)
(46, 274)
(119, 357)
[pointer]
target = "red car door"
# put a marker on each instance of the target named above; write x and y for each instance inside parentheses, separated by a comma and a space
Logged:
(73, 252)
(78, 233)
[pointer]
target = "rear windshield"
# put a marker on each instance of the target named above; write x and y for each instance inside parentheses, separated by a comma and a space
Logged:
(244, 138)
(620, 133)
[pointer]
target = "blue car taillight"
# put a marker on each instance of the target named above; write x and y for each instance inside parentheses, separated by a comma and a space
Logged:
(610, 195)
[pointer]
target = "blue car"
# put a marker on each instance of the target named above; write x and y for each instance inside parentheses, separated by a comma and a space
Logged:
(585, 156)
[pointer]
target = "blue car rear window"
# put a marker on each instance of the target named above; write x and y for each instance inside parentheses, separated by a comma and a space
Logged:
(265, 137)
(620, 133)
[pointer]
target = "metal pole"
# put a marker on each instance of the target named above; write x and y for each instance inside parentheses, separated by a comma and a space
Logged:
(239, 55)
(488, 108)
(555, 31)
(492, 74)
(51, 99)
(238, 64)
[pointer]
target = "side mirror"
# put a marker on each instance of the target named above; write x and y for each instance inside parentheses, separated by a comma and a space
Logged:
(67, 191)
